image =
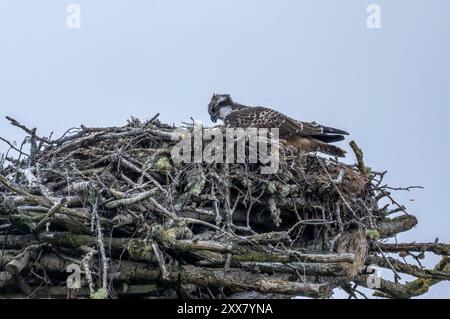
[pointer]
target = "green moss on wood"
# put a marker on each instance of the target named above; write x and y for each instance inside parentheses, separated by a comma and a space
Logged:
(196, 183)
(23, 223)
(140, 250)
(163, 164)
(271, 188)
(373, 234)
(102, 293)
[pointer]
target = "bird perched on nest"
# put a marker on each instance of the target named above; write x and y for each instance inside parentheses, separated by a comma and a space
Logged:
(308, 137)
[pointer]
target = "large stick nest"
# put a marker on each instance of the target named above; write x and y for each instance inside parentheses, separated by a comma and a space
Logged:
(112, 203)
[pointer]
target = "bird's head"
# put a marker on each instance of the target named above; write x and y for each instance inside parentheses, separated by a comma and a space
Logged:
(220, 106)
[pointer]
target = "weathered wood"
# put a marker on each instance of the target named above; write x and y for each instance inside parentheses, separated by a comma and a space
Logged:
(240, 280)
(412, 270)
(437, 248)
(236, 280)
(49, 215)
(389, 289)
(359, 157)
(391, 227)
(244, 253)
(299, 269)
(6, 279)
(54, 292)
(18, 263)
(131, 200)
(114, 201)
(415, 288)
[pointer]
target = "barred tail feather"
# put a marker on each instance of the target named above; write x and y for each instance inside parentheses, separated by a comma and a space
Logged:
(315, 145)
(332, 150)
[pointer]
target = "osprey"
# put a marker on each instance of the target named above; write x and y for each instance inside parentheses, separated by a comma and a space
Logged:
(308, 137)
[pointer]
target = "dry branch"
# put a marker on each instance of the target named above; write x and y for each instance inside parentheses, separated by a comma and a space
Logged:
(112, 201)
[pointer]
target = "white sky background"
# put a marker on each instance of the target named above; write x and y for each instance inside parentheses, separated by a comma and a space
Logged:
(313, 60)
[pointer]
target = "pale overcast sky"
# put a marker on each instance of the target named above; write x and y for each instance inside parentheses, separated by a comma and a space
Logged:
(314, 60)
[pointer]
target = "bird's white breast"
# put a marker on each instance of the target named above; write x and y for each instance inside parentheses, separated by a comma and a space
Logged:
(224, 112)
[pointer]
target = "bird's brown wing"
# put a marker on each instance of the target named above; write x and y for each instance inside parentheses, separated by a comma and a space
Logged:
(261, 117)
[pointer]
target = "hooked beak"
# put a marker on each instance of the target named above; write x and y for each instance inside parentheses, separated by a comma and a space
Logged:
(214, 118)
